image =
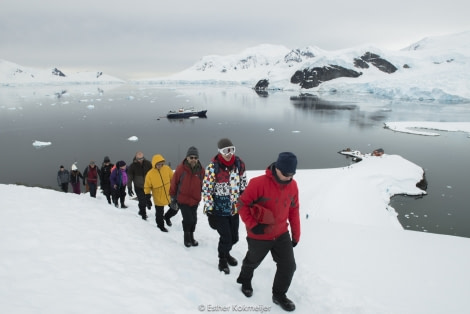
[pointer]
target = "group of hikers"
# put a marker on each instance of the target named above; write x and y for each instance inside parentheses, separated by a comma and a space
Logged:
(267, 205)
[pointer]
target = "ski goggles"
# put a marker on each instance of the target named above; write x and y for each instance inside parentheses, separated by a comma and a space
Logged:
(227, 150)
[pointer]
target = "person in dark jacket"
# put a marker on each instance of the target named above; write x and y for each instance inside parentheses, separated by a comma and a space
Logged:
(118, 179)
(63, 179)
(268, 206)
(105, 170)
(75, 176)
(136, 174)
(90, 178)
(185, 193)
(224, 182)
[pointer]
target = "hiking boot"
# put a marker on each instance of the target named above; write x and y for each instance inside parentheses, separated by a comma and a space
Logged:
(168, 222)
(163, 229)
(187, 239)
(123, 206)
(247, 289)
(231, 260)
(191, 238)
(284, 302)
(223, 266)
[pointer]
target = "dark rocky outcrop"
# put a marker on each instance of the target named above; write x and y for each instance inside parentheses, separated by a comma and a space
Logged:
(309, 78)
(359, 63)
(261, 85)
(57, 72)
(380, 63)
(261, 88)
(298, 56)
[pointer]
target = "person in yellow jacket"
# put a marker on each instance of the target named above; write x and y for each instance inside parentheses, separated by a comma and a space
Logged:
(157, 183)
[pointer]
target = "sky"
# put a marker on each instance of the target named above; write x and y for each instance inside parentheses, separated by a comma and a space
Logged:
(145, 38)
(68, 253)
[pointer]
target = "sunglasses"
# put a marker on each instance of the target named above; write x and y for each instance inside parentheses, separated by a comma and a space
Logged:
(193, 157)
(287, 174)
(141, 158)
(227, 150)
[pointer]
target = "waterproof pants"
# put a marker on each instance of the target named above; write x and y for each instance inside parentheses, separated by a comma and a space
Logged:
(282, 253)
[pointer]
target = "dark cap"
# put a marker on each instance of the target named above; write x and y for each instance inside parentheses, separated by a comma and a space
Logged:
(192, 151)
(286, 163)
(225, 142)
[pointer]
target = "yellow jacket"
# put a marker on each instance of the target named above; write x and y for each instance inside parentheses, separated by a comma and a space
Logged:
(157, 182)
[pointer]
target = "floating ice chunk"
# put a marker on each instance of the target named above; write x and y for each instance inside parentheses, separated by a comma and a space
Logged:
(449, 187)
(133, 139)
(39, 144)
(295, 131)
(130, 97)
(271, 130)
(91, 107)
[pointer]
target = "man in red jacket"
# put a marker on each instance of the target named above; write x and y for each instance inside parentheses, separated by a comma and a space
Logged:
(269, 204)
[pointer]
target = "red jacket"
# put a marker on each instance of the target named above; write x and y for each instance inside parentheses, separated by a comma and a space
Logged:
(186, 184)
(267, 201)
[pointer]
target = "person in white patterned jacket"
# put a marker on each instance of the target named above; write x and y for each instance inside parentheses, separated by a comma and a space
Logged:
(224, 182)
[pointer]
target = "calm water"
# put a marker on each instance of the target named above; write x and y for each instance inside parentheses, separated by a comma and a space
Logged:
(88, 122)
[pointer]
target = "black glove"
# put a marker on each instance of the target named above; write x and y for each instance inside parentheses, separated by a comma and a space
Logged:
(149, 203)
(84, 183)
(173, 204)
(294, 243)
(130, 192)
(259, 228)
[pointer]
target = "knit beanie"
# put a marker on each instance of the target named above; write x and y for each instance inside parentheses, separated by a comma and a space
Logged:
(192, 151)
(286, 163)
(225, 142)
(106, 159)
(120, 163)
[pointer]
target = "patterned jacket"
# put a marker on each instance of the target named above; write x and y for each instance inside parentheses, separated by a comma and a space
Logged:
(222, 186)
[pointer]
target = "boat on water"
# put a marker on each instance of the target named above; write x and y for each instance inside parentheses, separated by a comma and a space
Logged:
(186, 113)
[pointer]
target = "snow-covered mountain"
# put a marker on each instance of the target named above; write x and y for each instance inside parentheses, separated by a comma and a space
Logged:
(12, 74)
(435, 68)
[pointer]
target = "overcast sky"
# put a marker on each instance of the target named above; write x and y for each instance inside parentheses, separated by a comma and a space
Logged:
(148, 38)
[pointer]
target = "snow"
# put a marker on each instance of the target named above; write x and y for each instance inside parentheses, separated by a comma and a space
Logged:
(433, 69)
(12, 74)
(41, 144)
(409, 126)
(67, 253)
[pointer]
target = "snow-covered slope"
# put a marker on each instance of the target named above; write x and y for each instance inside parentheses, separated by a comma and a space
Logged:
(435, 68)
(12, 74)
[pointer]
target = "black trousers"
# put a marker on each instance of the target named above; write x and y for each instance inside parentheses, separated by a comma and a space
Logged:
(64, 187)
(142, 201)
(159, 210)
(282, 253)
(107, 190)
(189, 214)
(119, 194)
(227, 227)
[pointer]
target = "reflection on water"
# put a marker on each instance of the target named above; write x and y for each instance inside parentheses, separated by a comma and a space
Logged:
(313, 102)
(86, 123)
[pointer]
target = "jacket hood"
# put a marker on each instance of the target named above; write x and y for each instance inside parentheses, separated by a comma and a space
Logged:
(156, 159)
